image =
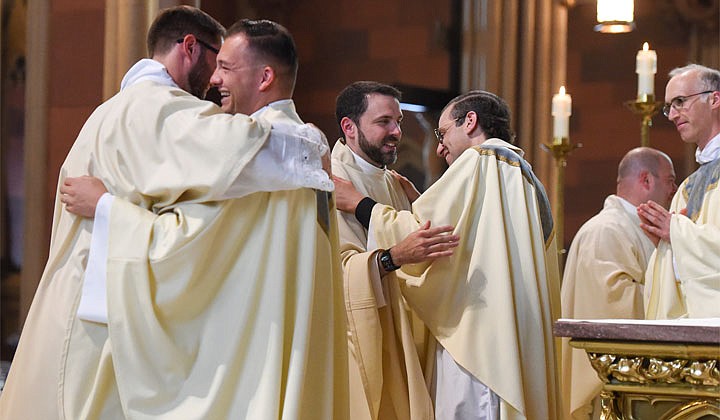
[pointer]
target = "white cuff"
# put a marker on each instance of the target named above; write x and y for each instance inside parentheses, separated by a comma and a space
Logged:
(291, 158)
(93, 303)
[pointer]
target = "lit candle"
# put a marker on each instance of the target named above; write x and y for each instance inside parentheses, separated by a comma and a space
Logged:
(561, 111)
(646, 67)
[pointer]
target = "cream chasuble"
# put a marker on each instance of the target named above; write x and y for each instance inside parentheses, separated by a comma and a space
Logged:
(245, 322)
(152, 145)
(603, 278)
(388, 346)
(691, 288)
(492, 304)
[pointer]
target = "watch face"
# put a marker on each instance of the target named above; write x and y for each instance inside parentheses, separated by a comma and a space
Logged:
(387, 262)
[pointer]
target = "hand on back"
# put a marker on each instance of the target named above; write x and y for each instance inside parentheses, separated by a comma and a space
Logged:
(425, 244)
(81, 195)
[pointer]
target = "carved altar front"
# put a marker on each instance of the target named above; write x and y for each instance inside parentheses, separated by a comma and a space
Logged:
(654, 370)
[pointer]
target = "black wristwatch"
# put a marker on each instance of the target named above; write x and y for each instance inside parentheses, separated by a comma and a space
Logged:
(386, 261)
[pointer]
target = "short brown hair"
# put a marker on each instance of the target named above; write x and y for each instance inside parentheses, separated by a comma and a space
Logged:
(270, 41)
(174, 23)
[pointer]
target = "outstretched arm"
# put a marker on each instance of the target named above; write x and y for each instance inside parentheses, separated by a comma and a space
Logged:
(425, 244)
(81, 195)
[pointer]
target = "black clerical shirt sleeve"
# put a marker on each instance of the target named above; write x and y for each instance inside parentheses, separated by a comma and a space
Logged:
(363, 211)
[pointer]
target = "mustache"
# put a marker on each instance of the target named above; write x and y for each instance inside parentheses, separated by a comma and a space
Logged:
(391, 138)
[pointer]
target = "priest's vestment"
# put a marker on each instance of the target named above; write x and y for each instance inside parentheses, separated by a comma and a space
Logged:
(388, 346)
(683, 277)
(604, 276)
(492, 303)
(152, 144)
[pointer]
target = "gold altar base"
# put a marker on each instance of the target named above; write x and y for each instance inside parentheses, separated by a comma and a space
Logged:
(653, 372)
(646, 107)
(656, 381)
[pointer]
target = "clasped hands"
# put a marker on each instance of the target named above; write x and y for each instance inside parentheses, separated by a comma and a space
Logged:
(655, 221)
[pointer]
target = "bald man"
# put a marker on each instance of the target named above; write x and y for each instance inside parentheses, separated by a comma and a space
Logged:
(606, 265)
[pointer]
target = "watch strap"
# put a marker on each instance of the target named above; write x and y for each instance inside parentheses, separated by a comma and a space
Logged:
(387, 262)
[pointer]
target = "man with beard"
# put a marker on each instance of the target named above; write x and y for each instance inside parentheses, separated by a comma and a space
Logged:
(388, 345)
(153, 144)
(490, 305)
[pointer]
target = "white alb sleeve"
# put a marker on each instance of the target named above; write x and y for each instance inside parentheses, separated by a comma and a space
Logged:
(93, 302)
(291, 158)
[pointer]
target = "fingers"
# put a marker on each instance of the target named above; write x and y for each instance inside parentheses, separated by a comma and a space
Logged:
(425, 226)
(441, 241)
(427, 231)
(397, 174)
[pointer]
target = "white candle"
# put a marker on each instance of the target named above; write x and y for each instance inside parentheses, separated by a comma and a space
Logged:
(646, 67)
(561, 111)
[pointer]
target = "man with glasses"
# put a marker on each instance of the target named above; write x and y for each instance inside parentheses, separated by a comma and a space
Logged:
(492, 303)
(154, 145)
(606, 263)
(387, 343)
(683, 278)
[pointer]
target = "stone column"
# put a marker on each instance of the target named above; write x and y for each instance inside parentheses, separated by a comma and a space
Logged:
(126, 25)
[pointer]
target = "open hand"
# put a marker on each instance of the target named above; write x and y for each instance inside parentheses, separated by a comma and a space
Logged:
(425, 244)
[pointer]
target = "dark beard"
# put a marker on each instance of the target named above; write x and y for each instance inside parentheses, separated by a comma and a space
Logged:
(197, 82)
(375, 153)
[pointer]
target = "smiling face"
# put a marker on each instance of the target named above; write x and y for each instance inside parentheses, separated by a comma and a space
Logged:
(378, 130)
(694, 120)
(238, 76)
(455, 139)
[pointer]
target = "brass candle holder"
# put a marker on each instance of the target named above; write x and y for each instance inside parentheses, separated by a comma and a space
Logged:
(646, 106)
(560, 149)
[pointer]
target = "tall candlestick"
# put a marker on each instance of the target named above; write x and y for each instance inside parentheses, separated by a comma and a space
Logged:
(646, 67)
(561, 111)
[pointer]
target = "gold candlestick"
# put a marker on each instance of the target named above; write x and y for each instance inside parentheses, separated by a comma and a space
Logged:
(560, 149)
(645, 106)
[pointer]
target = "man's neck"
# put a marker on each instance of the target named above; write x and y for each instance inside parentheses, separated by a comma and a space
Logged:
(710, 150)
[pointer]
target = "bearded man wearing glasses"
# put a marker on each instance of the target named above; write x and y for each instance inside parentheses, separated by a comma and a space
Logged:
(683, 277)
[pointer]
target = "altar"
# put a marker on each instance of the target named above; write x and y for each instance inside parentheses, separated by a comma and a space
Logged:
(652, 370)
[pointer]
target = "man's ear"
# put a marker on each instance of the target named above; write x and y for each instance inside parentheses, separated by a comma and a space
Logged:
(348, 127)
(268, 77)
(646, 180)
(188, 46)
(715, 99)
(471, 122)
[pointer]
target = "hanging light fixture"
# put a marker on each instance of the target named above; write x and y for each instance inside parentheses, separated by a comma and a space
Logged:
(615, 16)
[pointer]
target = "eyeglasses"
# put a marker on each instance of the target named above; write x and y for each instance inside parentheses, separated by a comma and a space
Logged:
(203, 43)
(440, 132)
(679, 102)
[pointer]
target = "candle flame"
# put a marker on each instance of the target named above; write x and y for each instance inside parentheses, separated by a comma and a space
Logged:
(646, 46)
(562, 90)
